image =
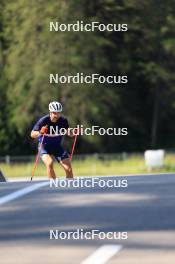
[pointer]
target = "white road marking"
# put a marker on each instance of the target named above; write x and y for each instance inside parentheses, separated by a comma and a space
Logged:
(14, 195)
(103, 254)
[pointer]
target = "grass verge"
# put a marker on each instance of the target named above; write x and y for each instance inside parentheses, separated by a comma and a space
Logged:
(91, 167)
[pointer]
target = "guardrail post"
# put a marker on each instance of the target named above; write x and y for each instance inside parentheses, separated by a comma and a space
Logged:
(7, 159)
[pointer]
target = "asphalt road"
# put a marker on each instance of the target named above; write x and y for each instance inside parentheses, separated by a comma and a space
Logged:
(145, 210)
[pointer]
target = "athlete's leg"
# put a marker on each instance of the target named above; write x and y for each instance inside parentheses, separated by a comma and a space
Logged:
(66, 164)
(48, 161)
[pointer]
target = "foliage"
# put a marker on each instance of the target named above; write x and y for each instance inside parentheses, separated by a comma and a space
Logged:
(145, 53)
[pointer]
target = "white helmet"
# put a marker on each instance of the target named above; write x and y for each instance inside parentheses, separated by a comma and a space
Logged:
(55, 107)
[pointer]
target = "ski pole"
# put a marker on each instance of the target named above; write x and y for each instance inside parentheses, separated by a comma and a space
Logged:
(37, 158)
(73, 147)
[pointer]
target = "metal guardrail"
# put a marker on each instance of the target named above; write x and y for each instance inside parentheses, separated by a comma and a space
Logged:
(102, 156)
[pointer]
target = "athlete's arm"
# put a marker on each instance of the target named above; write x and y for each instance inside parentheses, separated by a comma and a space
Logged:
(73, 132)
(70, 132)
